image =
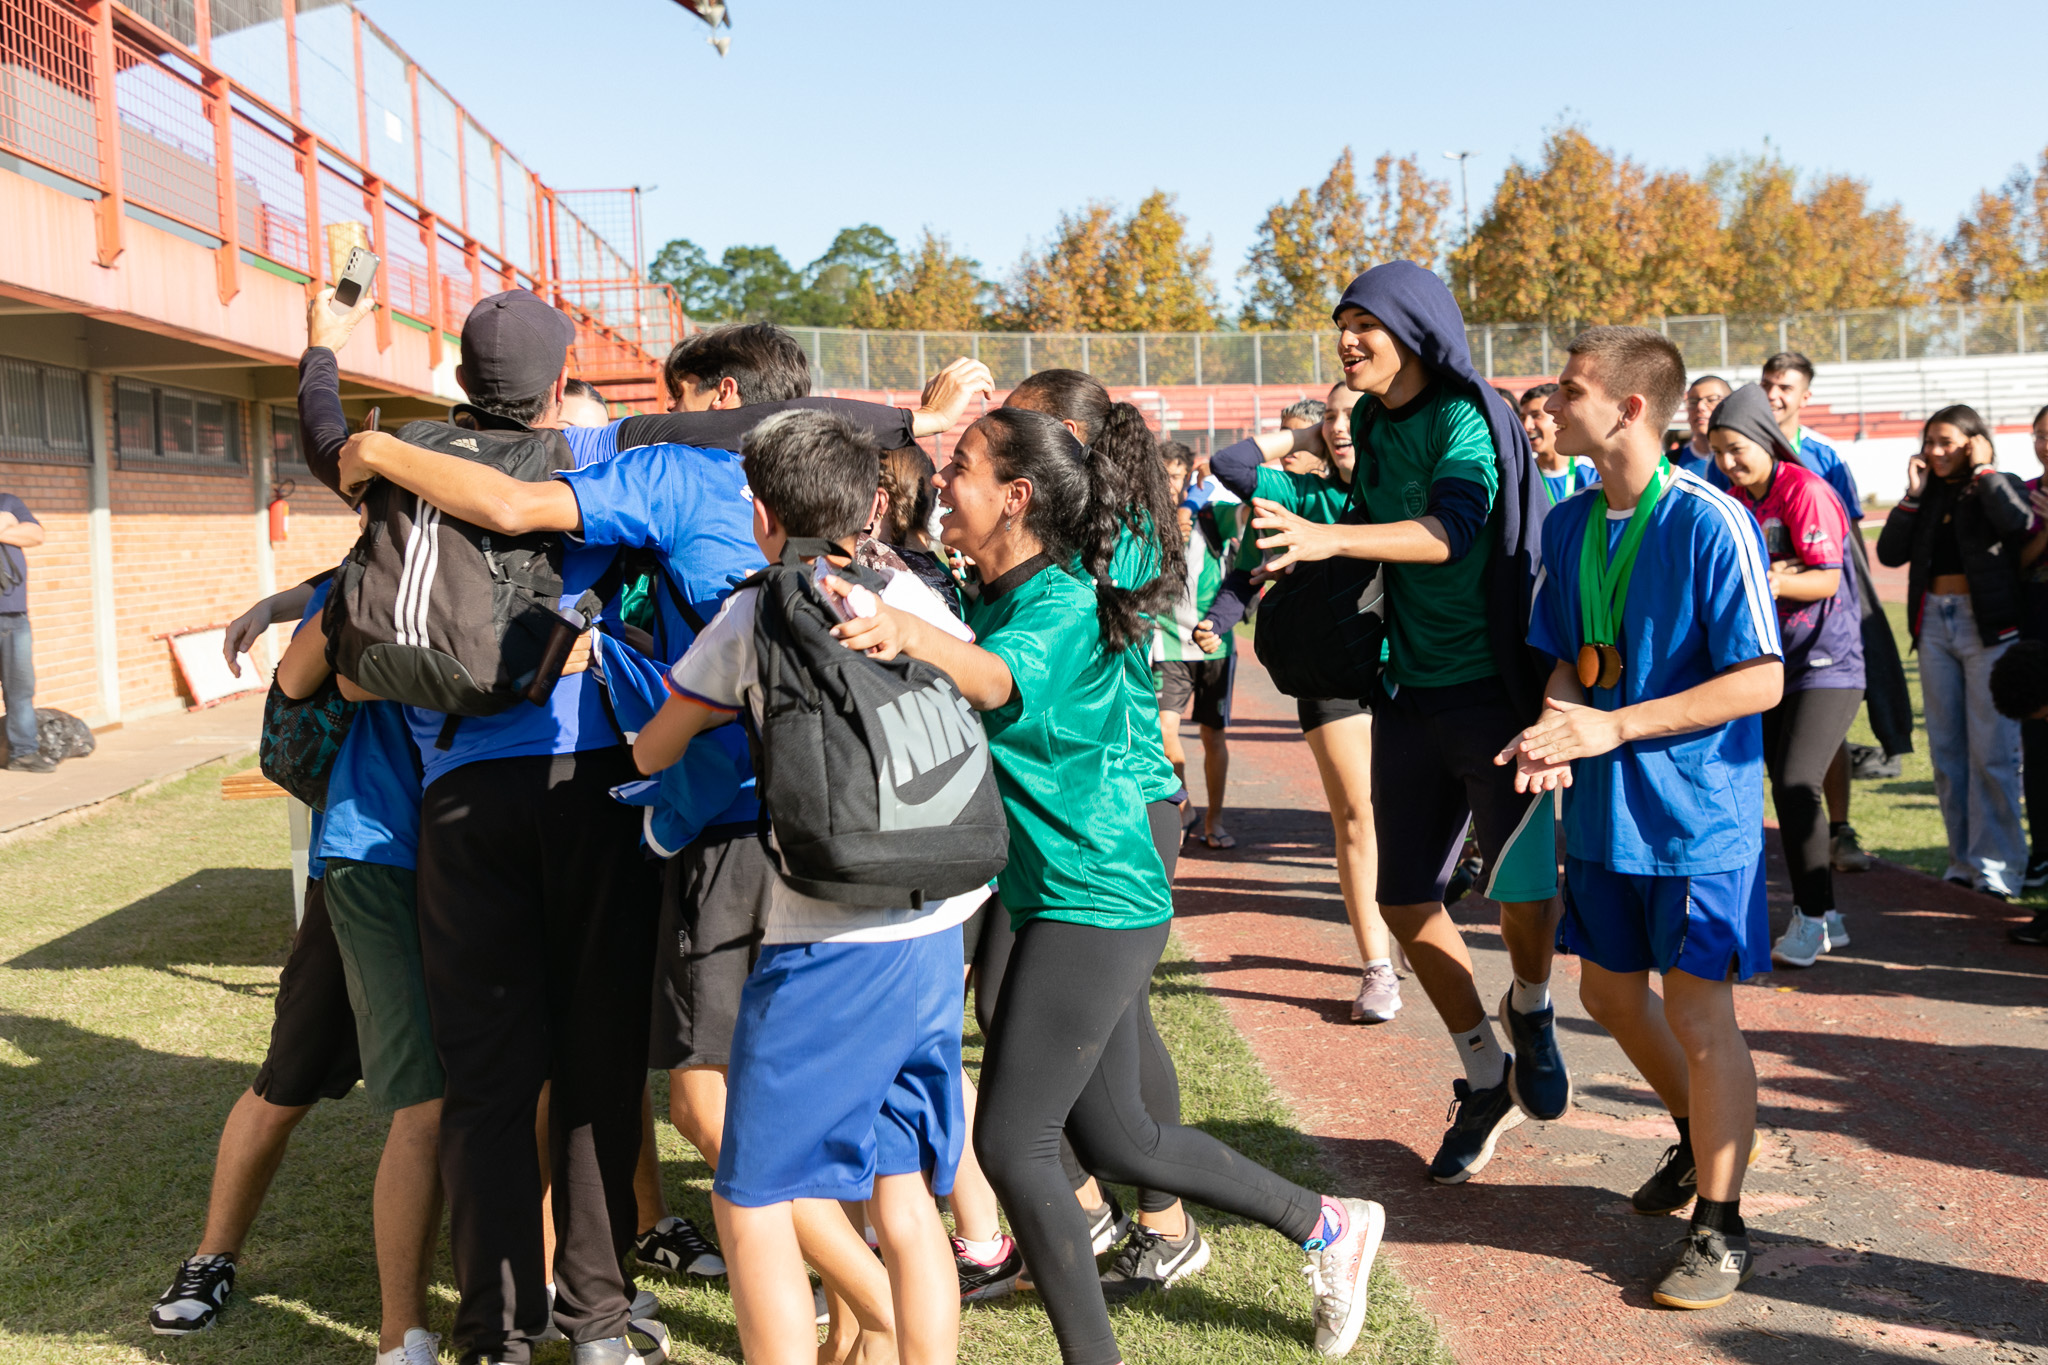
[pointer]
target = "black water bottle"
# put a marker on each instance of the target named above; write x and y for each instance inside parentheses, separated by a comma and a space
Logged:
(561, 639)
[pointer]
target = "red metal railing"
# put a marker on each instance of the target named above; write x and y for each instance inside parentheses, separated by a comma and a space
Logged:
(99, 94)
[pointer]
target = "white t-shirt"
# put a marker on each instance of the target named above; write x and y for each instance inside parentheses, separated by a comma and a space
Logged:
(722, 670)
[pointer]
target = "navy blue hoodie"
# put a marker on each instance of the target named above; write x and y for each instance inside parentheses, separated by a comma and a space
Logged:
(1418, 311)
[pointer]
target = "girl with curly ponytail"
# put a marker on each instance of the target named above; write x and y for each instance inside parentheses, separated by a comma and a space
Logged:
(1085, 890)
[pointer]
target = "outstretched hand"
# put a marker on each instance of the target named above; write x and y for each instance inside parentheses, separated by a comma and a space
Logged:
(947, 394)
(1299, 540)
(1543, 753)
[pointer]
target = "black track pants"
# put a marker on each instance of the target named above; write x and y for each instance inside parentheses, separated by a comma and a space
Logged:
(537, 912)
(1802, 734)
(1067, 1054)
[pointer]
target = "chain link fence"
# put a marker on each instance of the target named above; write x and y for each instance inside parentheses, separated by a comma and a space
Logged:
(900, 360)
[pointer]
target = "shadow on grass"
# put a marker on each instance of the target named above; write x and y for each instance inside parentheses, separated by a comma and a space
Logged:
(110, 1145)
(222, 916)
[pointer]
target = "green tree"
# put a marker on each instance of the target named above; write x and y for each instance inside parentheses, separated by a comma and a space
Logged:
(844, 282)
(762, 286)
(936, 290)
(700, 285)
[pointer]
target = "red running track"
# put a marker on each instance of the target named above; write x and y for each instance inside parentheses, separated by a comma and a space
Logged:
(1899, 1210)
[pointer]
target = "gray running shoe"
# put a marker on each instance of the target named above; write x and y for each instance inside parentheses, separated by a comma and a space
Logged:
(1340, 1274)
(1802, 943)
(1846, 854)
(1710, 1267)
(1379, 995)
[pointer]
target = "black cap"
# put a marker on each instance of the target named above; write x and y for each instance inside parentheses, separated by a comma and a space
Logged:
(513, 347)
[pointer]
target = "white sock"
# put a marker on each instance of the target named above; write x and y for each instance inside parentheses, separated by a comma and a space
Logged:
(985, 1252)
(1485, 1064)
(1527, 997)
(1373, 962)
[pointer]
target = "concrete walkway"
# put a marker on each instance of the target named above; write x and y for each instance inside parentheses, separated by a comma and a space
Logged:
(1899, 1209)
(134, 756)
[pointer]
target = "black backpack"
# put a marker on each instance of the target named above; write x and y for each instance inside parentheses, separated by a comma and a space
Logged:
(876, 775)
(1322, 627)
(437, 613)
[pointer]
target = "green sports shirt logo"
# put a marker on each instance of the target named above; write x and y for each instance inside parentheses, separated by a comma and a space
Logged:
(1414, 498)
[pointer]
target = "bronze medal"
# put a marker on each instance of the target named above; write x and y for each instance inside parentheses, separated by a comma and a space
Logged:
(1589, 666)
(1610, 665)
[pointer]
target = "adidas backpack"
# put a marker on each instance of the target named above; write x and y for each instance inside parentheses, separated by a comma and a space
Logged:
(437, 613)
(875, 774)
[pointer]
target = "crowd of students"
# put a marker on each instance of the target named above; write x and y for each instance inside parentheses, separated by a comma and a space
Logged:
(502, 938)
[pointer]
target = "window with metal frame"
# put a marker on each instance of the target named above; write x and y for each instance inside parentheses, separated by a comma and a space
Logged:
(156, 426)
(43, 414)
(287, 454)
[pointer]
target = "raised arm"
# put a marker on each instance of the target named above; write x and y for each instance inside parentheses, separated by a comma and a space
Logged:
(983, 678)
(463, 489)
(322, 427)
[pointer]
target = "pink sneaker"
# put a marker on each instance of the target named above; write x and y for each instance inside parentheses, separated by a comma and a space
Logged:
(1340, 1274)
(1379, 996)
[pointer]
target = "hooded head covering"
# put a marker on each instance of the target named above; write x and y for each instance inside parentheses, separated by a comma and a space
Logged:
(1417, 310)
(1747, 413)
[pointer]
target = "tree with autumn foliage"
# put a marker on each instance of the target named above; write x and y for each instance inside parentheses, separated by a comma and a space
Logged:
(1827, 248)
(1999, 250)
(1102, 273)
(935, 290)
(1309, 247)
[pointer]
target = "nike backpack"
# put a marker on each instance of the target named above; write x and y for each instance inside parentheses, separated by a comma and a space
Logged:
(437, 613)
(875, 774)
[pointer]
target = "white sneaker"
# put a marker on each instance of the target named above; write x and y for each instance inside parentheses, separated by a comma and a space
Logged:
(421, 1348)
(1802, 943)
(1339, 1275)
(1838, 931)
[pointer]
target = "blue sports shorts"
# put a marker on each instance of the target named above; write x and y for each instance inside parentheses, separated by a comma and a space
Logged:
(845, 1066)
(1699, 925)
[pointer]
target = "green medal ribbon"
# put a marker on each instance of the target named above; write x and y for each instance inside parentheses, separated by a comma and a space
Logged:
(1603, 582)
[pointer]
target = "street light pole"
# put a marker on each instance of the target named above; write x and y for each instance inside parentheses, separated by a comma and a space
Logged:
(1465, 202)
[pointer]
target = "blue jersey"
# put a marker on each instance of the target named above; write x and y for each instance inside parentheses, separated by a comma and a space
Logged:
(573, 720)
(1692, 462)
(1818, 454)
(373, 795)
(692, 507)
(1575, 477)
(593, 445)
(1699, 602)
(316, 867)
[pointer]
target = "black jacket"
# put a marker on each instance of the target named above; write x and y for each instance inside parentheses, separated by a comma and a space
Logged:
(1991, 516)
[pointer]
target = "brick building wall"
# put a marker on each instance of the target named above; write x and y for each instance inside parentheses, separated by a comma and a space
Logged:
(59, 582)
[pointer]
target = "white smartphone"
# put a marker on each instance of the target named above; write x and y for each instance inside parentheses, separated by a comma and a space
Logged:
(355, 278)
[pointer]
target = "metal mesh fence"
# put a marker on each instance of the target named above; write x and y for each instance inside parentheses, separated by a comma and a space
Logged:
(46, 112)
(270, 196)
(166, 141)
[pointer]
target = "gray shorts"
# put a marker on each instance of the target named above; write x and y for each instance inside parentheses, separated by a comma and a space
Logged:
(377, 925)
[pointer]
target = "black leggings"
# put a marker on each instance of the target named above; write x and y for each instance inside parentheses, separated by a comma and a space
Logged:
(1802, 734)
(1158, 1081)
(1067, 1054)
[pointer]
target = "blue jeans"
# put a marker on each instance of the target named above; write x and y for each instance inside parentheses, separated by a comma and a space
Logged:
(1976, 750)
(18, 685)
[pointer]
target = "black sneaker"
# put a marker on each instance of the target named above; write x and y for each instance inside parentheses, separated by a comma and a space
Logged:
(2036, 876)
(1106, 1224)
(195, 1298)
(1676, 1180)
(1536, 1075)
(981, 1282)
(1464, 877)
(1671, 1186)
(675, 1247)
(1477, 1119)
(1710, 1267)
(1149, 1260)
(1867, 763)
(2033, 933)
(38, 762)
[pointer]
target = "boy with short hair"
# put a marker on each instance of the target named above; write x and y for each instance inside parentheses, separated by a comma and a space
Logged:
(1702, 396)
(846, 1053)
(1186, 672)
(1654, 604)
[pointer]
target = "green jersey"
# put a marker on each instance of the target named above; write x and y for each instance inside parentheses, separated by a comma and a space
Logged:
(1310, 496)
(1130, 566)
(1436, 612)
(1080, 843)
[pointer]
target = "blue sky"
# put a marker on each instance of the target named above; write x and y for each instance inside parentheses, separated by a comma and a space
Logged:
(984, 121)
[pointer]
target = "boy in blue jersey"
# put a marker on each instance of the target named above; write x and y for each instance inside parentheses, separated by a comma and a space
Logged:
(1655, 605)
(369, 844)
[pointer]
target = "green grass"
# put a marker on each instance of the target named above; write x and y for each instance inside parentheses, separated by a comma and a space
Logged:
(139, 956)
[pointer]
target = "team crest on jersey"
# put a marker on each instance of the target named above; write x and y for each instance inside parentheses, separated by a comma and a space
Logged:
(1414, 498)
